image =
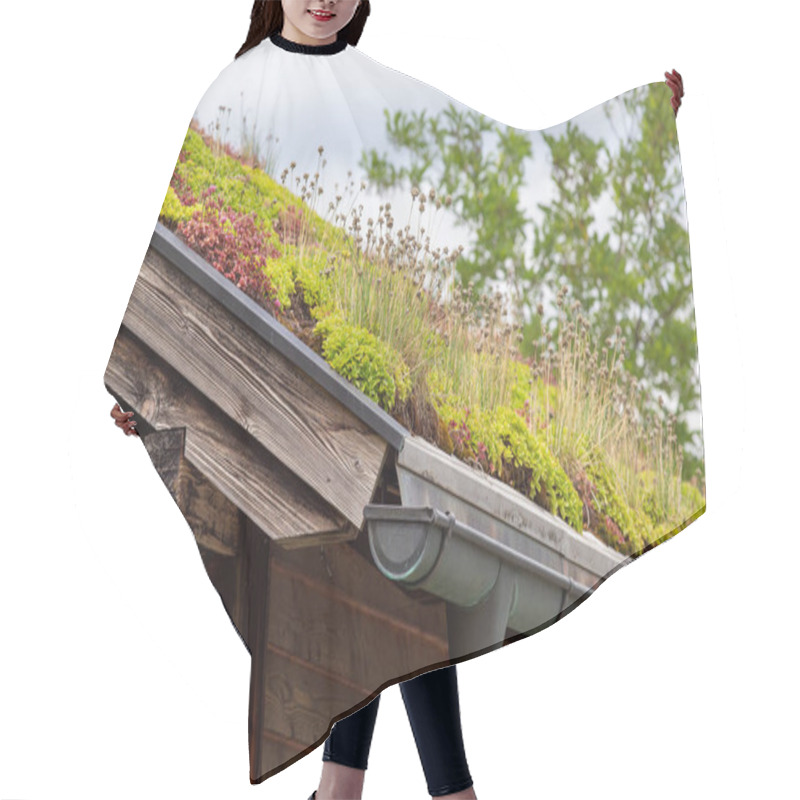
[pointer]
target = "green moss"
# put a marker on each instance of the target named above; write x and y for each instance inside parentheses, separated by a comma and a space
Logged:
(281, 275)
(691, 499)
(368, 363)
(249, 190)
(508, 441)
(172, 212)
(315, 286)
(522, 381)
(666, 520)
(622, 527)
(652, 503)
(524, 448)
(440, 387)
(507, 438)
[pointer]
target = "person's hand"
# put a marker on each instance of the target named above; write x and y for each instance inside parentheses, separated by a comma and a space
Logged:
(124, 420)
(675, 82)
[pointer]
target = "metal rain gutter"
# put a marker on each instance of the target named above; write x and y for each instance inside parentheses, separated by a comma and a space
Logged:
(489, 586)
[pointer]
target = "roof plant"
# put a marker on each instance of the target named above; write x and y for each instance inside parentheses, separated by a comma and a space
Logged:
(567, 426)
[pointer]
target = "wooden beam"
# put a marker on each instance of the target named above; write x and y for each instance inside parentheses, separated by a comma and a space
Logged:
(308, 430)
(217, 525)
(237, 466)
(312, 674)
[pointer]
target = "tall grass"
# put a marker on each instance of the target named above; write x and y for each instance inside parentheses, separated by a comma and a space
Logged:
(596, 406)
(404, 289)
(397, 284)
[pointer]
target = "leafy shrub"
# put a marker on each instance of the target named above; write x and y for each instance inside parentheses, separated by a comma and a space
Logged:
(315, 287)
(624, 528)
(364, 360)
(502, 444)
(173, 211)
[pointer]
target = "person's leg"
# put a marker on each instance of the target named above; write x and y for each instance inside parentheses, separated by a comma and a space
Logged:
(433, 710)
(346, 753)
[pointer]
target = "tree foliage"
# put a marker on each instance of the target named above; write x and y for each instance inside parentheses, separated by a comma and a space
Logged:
(629, 265)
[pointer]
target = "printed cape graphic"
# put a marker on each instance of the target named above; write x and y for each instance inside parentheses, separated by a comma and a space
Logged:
(418, 381)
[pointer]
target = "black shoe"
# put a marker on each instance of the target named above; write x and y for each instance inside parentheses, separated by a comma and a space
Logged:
(313, 795)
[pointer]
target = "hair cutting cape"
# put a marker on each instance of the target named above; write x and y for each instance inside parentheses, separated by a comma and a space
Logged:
(419, 381)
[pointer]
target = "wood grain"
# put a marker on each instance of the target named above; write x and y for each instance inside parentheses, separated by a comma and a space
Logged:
(308, 430)
(247, 474)
(315, 672)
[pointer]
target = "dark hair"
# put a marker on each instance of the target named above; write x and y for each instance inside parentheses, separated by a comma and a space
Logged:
(266, 18)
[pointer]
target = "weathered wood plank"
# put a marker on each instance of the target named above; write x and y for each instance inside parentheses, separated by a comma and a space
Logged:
(224, 573)
(310, 609)
(216, 523)
(297, 699)
(255, 557)
(281, 750)
(231, 460)
(165, 448)
(214, 520)
(314, 673)
(311, 433)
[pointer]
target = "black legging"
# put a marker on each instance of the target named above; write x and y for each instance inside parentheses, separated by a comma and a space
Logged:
(432, 706)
